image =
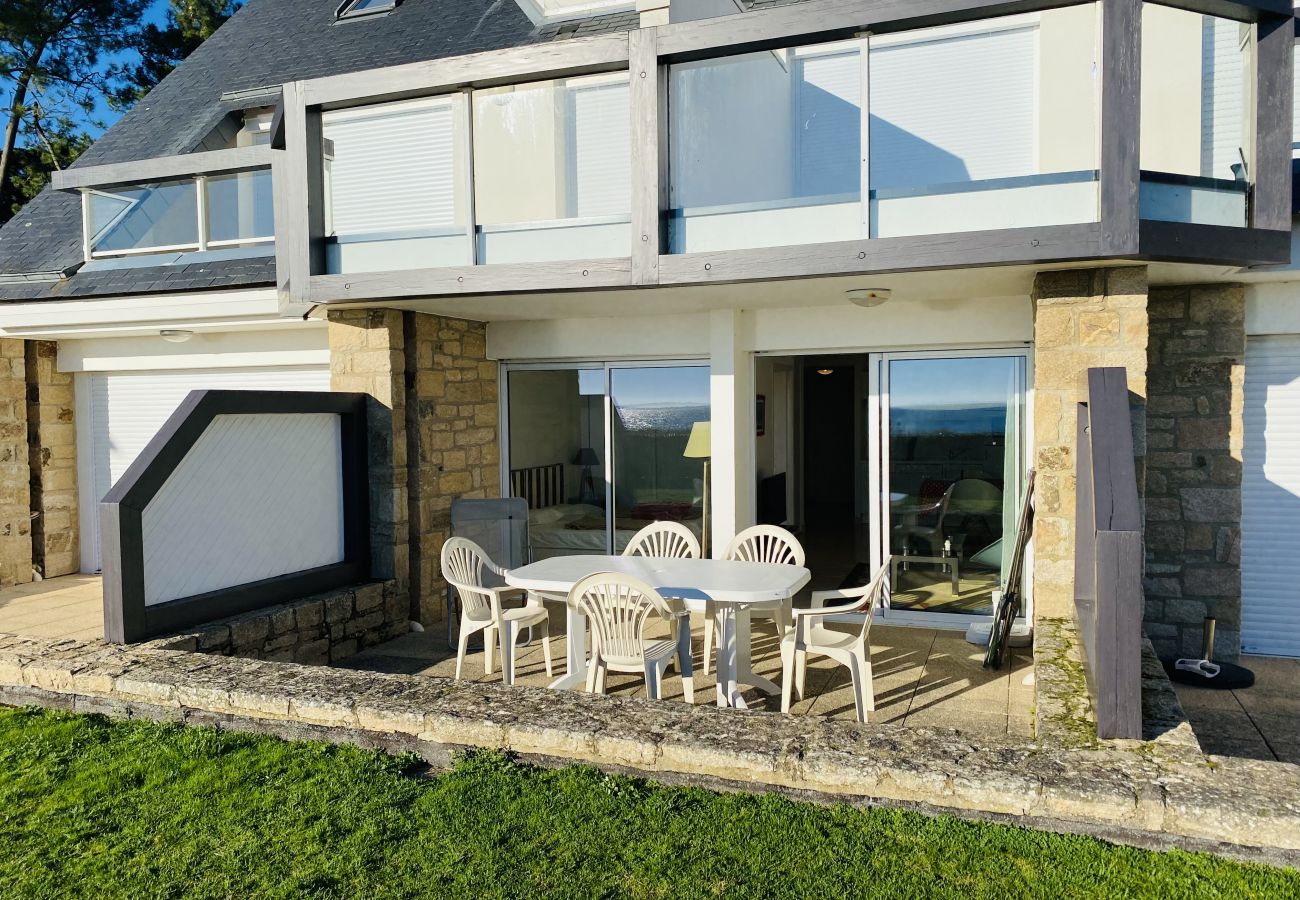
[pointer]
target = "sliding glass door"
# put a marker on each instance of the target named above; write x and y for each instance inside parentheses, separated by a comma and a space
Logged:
(599, 451)
(951, 475)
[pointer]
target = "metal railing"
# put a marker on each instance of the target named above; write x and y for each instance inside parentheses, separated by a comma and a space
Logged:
(1108, 555)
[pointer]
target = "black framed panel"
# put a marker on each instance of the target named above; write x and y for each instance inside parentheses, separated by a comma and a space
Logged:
(126, 616)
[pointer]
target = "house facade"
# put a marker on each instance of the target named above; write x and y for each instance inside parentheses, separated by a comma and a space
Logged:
(840, 265)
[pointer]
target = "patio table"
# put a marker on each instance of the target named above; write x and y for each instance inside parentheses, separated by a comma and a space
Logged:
(731, 588)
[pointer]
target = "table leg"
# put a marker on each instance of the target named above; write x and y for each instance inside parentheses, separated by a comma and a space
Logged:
(684, 658)
(725, 628)
(576, 649)
(745, 673)
(956, 578)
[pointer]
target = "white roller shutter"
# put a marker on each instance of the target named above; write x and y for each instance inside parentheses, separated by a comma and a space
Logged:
(954, 109)
(1223, 86)
(829, 124)
(602, 150)
(392, 168)
(1270, 540)
(126, 409)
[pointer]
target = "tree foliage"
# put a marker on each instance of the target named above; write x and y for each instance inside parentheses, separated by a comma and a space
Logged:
(162, 48)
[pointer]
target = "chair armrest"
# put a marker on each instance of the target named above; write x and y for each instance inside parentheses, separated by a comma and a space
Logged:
(818, 612)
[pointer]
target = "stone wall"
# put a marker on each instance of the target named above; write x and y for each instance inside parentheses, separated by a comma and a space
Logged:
(1082, 319)
(433, 434)
(317, 630)
(15, 488)
(52, 442)
(1193, 485)
(452, 417)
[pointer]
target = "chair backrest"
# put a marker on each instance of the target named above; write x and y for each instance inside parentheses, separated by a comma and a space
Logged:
(874, 596)
(617, 606)
(464, 566)
(664, 540)
(767, 544)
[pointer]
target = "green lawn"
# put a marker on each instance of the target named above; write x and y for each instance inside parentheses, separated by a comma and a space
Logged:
(97, 808)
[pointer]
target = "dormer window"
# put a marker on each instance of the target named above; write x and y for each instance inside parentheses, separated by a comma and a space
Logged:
(355, 9)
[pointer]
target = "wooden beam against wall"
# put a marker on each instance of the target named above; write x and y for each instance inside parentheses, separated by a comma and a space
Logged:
(163, 168)
(649, 105)
(532, 62)
(1274, 62)
(1121, 124)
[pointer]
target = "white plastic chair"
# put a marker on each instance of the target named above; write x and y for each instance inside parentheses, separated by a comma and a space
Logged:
(618, 607)
(765, 544)
(810, 635)
(463, 566)
(664, 540)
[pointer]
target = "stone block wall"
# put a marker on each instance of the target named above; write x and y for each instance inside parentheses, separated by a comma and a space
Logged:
(316, 630)
(433, 434)
(1195, 406)
(52, 442)
(15, 486)
(452, 418)
(1082, 319)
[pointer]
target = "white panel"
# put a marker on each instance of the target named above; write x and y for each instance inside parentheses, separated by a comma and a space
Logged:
(256, 497)
(393, 168)
(1270, 540)
(955, 109)
(602, 151)
(829, 123)
(1223, 86)
(126, 409)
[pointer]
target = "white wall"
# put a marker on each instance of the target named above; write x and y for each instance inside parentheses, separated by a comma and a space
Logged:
(630, 337)
(258, 496)
(1273, 308)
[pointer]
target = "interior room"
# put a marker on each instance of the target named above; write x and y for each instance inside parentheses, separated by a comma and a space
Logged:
(937, 437)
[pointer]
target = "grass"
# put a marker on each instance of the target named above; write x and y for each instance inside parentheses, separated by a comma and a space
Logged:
(96, 808)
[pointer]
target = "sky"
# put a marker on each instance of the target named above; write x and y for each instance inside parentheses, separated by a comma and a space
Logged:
(104, 115)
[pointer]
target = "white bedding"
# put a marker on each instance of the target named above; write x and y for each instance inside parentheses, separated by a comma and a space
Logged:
(550, 534)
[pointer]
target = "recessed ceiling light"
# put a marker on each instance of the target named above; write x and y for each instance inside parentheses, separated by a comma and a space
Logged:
(825, 371)
(868, 297)
(175, 335)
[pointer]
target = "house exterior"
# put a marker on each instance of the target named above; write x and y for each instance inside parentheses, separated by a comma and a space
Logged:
(872, 247)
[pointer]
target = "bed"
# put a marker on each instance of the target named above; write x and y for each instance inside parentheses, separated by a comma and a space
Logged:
(557, 527)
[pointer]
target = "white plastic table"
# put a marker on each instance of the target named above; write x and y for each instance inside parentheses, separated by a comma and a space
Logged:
(732, 588)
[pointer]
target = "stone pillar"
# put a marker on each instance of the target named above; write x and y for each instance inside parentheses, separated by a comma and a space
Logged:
(52, 443)
(367, 356)
(452, 419)
(15, 487)
(1194, 466)
(1082, 319)
(433, 434)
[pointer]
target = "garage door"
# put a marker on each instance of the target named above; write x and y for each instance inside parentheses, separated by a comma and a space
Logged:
(1270, 541)
(126, 409)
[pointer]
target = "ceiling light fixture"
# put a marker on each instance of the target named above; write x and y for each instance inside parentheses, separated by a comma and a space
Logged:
(175, 335)
(825, 371)
(868, 297)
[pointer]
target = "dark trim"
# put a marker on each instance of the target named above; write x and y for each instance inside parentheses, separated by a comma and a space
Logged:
(126, 616)
(1226, 185)
(1212, 244)
(1274, 125)
(1121, 124)
(1109, 555)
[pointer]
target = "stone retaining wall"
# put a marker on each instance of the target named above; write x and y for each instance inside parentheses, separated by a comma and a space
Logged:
(1139, 793)
(314, 631)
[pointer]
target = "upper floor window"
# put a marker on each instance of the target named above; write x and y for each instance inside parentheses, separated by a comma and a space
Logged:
(352, 9)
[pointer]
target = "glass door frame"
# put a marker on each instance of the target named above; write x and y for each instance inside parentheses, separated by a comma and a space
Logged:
(878, 425)
(606, 367)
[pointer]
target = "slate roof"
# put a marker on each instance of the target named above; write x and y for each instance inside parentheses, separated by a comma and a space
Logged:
(268, 42)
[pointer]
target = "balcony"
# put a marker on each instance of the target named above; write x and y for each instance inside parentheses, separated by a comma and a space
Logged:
(162, 211)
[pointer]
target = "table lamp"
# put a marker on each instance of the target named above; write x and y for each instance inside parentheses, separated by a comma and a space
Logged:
(587, 487)
(700, 446)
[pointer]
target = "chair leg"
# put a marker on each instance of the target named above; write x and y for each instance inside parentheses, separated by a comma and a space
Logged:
(859, 704)
(653, 674)
(489, 648)
(868, 684)
(801, 672)
(592, 669)
(507, 630)
(544, 630)
(602, 676)
(787, 673)
(461, 646)
(708, 641)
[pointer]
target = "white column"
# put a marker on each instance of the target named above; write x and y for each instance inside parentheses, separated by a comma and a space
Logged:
(731, 395)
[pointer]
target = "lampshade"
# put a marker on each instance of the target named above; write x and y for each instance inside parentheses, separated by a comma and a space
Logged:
(587, 457)
(700, 444)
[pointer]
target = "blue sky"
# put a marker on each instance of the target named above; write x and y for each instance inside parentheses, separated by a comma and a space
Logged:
(104, 115)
